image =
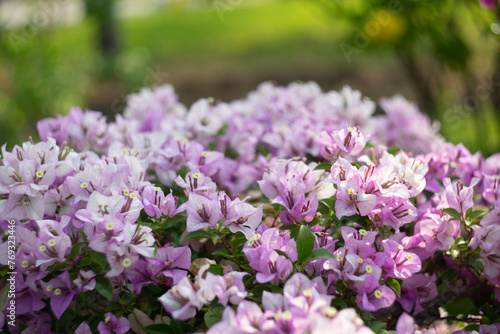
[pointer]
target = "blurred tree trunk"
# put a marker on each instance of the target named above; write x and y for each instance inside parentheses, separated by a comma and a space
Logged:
(103, 12)
(495, 89)
(419, 80)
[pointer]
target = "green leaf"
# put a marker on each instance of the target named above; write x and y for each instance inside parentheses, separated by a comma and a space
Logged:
(212, 146)
(477, 263)
(76, 250)
(158, 329)
(468, 212)
(200, 234)
(294, 231)
(339, 303)
(305, 243)
(377, 325)
(85, 262)
(83, 235)
(323, 165)
(394, 150)
(238, 241)
(99, 258)
(280, 252)
(215, 236)
(104, 287)
(321, 253)
(222, 252)
(216, 269)
(324, 209)
(67, 317)
(476, 214)
(213, 316)
(113, 307)
(472, 328)
(452, 212)
(457, 306)
(330, 202)
(178, 326)
(394, 285)
(174, 220)
(259, 290)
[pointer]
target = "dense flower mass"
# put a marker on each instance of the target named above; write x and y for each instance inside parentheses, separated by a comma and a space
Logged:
(289, 211)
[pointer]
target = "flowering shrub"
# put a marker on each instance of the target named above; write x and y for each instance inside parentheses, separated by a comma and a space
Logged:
(288, 211)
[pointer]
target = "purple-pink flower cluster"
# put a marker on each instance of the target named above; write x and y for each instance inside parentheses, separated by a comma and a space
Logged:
(311, 212)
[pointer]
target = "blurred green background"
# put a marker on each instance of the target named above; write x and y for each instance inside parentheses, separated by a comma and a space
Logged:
(55, 54)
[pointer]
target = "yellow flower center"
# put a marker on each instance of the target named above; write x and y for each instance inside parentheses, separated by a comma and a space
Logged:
(329, 311)
(126, 262)
(57, 292)
(253, 239)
